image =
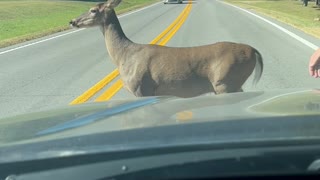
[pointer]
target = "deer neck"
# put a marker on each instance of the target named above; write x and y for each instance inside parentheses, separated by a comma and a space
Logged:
(116, 41)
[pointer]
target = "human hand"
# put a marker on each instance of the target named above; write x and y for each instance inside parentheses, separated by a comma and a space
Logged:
(314, 64)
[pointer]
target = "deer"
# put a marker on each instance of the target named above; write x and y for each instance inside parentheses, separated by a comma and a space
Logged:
(156, 70)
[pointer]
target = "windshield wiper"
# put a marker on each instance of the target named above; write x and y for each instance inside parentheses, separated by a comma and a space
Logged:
(81, 121)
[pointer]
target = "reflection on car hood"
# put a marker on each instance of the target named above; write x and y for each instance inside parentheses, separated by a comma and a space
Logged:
(90, 118)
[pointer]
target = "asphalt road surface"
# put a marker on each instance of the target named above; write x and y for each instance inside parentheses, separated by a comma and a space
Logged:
(52, 71)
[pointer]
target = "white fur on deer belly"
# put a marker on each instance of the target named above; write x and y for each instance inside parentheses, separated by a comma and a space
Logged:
(184, 88)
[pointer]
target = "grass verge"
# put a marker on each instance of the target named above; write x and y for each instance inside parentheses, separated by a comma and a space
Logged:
(29, 19)
(291, 12)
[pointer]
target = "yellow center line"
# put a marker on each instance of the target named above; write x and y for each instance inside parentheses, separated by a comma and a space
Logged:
(109, 93)
(94, 89)
(176, 28)
(182, 14)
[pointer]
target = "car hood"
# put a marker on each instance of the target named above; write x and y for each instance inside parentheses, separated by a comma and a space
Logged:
(121, 115)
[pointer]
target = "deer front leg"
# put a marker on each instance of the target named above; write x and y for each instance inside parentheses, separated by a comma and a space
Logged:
(142, 91)
(145, 87)
(141, 87)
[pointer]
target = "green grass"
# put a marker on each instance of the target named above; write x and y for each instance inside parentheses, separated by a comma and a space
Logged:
(128, 5)
(22, 20)
(291, 12)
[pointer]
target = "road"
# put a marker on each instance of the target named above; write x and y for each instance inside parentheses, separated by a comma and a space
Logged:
(51, 73)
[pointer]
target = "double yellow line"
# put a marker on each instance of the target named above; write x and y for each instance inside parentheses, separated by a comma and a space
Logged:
(161, 39)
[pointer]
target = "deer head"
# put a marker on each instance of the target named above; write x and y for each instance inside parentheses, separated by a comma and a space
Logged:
(96, 16)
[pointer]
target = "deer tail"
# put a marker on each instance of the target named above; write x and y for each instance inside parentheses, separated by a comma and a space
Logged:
(258, 68)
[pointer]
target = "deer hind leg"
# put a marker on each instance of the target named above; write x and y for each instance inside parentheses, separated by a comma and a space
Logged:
(229, 82)
(230, 78)
(221, 88)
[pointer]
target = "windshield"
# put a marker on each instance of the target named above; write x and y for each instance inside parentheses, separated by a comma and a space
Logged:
(83, 67)
(47, 64)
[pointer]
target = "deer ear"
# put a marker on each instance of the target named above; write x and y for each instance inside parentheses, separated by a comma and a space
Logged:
(112, 3)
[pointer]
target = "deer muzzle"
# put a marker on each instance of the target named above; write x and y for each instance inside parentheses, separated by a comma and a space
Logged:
(73, 23)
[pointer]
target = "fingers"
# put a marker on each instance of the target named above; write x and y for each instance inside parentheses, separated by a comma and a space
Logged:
(311, 71)
(315, 75)
(314, 71)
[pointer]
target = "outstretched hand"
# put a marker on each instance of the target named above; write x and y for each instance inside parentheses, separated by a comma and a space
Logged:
(314, 64)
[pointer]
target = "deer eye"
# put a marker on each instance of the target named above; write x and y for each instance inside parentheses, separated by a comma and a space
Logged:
(93, 10)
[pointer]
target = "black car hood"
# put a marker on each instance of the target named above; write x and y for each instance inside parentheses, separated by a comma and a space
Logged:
(91, 118)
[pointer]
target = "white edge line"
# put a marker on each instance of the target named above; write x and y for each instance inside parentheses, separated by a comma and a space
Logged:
(20, 47)
(305, 42)
(48, 39)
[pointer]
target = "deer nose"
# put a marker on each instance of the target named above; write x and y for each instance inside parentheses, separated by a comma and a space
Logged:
(72, 23)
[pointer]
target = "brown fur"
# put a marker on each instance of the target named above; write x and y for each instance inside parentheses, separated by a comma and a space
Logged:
(153, 70)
